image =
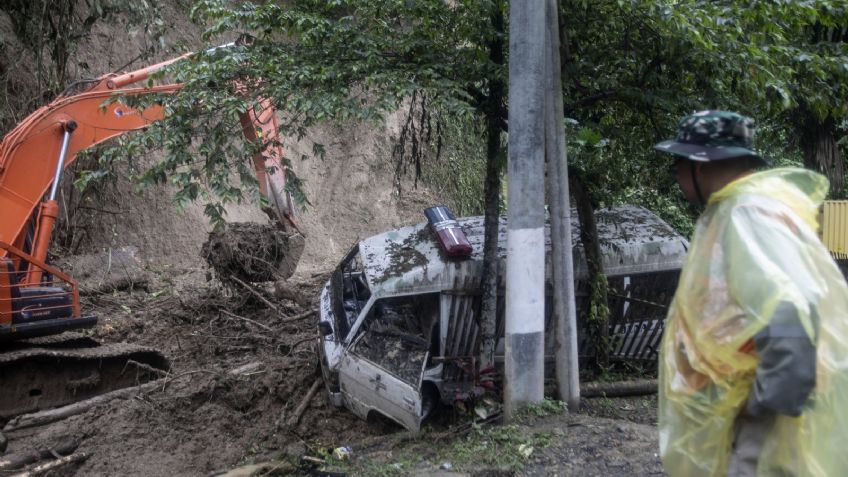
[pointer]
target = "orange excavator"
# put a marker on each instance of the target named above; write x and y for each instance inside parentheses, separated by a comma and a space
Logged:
(41, 365)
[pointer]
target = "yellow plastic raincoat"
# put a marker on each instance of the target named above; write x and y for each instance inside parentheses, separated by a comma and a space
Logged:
(754, 246)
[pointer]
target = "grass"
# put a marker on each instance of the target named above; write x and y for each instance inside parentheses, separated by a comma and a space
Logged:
(498, 448)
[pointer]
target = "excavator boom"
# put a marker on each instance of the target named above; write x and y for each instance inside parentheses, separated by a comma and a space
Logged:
(29, 154)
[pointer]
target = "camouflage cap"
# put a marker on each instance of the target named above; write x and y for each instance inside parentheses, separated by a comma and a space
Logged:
(713, 136)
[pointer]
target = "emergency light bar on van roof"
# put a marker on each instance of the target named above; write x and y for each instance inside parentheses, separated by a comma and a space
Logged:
(449, 234)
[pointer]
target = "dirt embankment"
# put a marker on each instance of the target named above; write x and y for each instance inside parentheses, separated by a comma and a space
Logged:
(353, 192)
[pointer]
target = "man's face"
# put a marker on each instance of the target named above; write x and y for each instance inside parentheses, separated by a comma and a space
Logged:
(683, 174)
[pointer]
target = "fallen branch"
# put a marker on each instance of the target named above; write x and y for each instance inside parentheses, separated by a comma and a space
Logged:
(147, 367)
(253, 322)
(52, 415)
(247, 368)
(44, 468)
(294, 419)
(264, 468)
(618, 389)
(22, 459)
(255, 293)
(305, 314)
(168, 380)
(298, 343)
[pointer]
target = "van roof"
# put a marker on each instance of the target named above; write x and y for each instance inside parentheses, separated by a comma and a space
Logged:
(408, 260)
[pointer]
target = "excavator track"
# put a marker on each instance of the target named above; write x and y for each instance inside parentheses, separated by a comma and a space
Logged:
(43, 373)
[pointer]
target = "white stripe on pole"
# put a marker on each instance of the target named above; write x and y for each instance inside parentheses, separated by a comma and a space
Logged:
(525, 278)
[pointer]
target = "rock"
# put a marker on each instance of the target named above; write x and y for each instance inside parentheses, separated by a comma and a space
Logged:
(283, 290)
(294, 450)
(105, 272)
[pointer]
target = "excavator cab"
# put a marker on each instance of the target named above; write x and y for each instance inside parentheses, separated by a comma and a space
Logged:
(29, 310)
(41, 368)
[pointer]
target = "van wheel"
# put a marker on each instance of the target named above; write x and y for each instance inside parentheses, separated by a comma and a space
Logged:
(430, 399)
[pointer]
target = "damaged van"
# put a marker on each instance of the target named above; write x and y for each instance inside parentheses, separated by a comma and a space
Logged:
(399, 319)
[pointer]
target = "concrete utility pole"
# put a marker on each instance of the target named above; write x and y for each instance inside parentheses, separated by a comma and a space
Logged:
(525, 262)
(565, 316)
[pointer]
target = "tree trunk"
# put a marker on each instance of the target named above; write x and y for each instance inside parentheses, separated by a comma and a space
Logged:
(494, 119)
(821, 152)
(641, 387)
(596, 314)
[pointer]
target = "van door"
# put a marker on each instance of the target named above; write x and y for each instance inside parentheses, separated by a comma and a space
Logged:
(367, 386)
(383, 367)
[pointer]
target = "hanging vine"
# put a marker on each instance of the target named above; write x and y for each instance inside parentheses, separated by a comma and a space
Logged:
(421, 134)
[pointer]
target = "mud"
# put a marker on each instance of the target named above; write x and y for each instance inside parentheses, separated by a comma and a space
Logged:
(240, 369)
(204, 417)
(252, 252)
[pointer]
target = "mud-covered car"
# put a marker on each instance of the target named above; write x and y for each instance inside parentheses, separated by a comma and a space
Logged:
(399, 320)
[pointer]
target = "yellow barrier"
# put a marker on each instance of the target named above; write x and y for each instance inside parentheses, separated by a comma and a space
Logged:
(834, 227)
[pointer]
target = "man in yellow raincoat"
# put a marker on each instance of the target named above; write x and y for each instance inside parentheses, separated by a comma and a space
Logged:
(754, 360)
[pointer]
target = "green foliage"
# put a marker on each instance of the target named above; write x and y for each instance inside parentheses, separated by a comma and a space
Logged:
(504, 447)
(544, 408)
(321, 61)
(458, 173)
(631, 69)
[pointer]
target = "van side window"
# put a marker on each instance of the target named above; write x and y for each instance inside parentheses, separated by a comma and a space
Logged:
(397, 335)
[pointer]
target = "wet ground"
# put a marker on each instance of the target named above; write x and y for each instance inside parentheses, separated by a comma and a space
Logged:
(242, 365)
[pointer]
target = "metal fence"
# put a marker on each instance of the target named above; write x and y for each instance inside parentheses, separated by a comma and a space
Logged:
(638, 306)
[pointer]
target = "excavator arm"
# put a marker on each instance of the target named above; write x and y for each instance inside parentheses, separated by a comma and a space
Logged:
(35, 153)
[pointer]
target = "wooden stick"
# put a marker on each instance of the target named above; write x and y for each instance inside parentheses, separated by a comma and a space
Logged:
(247, 368)
(52, 415)
(298, 343)
(22, 459)
(147, 367)
(621, 388)
(256, 294)
(44, 468)
(264, 468)
(305, 314)
(298, 412)
(253, 322)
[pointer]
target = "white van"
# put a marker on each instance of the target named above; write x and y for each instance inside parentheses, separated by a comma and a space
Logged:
(399, 320)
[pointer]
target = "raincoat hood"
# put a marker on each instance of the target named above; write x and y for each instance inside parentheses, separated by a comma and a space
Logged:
(754, 250)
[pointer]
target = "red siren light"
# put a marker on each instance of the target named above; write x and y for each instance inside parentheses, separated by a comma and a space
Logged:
(449, 234)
